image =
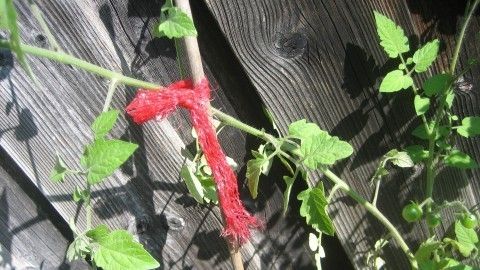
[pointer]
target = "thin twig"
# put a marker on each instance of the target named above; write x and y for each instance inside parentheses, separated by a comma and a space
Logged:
(196, 68)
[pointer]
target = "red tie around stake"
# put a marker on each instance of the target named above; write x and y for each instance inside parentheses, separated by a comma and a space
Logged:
(150, 104)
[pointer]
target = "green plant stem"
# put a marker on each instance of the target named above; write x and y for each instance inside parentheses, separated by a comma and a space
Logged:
(440, 111)
(111, 90)
(224, 118)
(375, 194)
(70, 60)
(120, 78)
(375, 212)
(88, 208)
(461, 37)
(415, 91)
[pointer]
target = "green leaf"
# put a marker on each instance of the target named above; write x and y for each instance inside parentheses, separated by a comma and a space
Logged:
(78, 249)
(392, 37)
(104, 123)
(80, 195)
(118, 250)
(460, 160)
(193, 184)
(98, 232)
(395, 81)
(466, 238)
(437, 84)
(103, 157)
(313, 208)
(417, 153)
(209, 189)
(59, 170)
(470, 126)
(425, 56)
(449, 99)
(176, 24)
(421, 132)
(317, 146)
(254, 168)
(425, 251)
(288, 190)
(401, 159)
(421, 104)
(451, 264)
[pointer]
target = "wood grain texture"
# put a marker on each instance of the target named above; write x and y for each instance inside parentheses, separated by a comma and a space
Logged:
(146, 196)
(320, 60)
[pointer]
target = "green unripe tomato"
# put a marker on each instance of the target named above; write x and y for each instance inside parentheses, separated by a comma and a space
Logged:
(469, 221)
(433, 220)
(412, 212)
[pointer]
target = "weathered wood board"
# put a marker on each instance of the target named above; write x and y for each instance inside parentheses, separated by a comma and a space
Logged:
(28, 239)
(301, 58)
(320, 60)
(146, 196)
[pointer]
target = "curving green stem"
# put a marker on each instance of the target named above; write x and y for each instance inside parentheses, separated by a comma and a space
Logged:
(224, 118)
(440, 112)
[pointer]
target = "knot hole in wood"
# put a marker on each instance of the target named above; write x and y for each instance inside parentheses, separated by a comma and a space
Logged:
(290, 45)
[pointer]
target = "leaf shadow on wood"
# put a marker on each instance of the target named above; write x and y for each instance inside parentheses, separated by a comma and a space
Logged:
(439, 15)
(360, 80)
(26, 128)
(156, 47)
(43, 212)
(6, 62)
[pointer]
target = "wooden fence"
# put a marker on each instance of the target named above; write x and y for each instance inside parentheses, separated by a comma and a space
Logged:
(314, 59)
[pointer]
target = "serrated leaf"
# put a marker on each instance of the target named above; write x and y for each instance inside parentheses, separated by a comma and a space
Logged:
(118, 250)
(98, 232)
(255, 167)
(176, 24)
(392, 37)
(425, 56)
(209, 189)
(437, 84)
(402, 159)
(466, 238)
(417, 153)
(59, 170)
(395, 81)
(421, 104)
(104, 123)
(103, 157)
(78, 249)
(425, 251)
(313, 208)
(451, 264)
(288, 190)
(470, 126)
(317, 146)
(193, 184)
(460, 160)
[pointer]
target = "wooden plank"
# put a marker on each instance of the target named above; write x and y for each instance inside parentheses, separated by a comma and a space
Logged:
(321, 60)
(28, 237)
(146, 196)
